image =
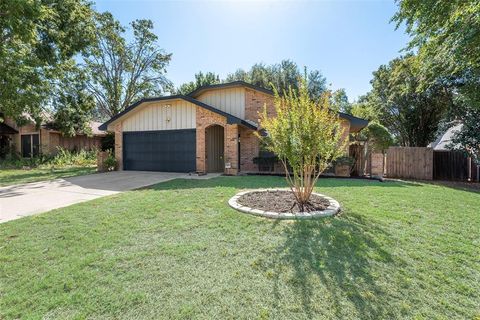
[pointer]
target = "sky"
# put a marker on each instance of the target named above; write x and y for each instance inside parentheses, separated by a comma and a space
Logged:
(345, 40)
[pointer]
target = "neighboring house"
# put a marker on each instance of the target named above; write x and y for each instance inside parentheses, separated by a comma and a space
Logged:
(30, 141)
(445, 139)
(209, 130)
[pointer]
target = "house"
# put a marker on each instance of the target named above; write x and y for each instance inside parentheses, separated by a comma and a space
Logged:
(445, 139)
(29, 140)
(209, 130)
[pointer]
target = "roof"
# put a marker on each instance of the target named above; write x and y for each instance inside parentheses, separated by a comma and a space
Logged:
(446, 138)
(356, 124)
(231, 119)
(195, 93)
(94, 126)
(6, 129)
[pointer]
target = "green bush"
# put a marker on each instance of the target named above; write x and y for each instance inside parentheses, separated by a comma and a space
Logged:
(110, 163)
(63, 158)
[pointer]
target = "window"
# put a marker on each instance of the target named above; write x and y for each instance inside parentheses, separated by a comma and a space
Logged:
(30, 145)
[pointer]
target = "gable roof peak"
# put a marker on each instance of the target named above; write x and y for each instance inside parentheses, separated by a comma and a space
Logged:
(239, 83)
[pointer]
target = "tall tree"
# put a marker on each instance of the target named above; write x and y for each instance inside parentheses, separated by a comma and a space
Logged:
(446, 35)
(122, 72)
(38, 40)
(411, 114)
(282, 76)
(201, 79)
(340, 101)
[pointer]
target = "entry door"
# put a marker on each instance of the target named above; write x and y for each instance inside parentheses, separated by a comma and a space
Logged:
(214, 149)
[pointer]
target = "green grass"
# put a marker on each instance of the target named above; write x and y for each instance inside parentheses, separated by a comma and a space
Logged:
(399, 250)
(17, 176)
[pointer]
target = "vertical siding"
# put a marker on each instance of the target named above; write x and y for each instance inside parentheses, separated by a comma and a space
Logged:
(154, 116)
(230, 100)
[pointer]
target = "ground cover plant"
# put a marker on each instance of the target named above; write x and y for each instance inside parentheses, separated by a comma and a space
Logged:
(177, 250)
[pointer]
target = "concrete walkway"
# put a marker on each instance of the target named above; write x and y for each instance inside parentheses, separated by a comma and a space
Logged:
(28, 199)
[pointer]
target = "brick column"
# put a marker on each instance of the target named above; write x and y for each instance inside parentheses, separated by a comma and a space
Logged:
(200, 157)
(119, 145)
(231, 148)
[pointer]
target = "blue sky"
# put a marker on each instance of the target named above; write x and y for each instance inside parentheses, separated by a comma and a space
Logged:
(345, 40)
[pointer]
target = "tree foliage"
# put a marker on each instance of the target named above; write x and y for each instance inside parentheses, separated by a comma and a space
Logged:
(306, 137)
(340, 101)
(377, 136)
(201, 79)
(122, 72)
(411, 113)
(282, 76)
(38, 40)
(73, 105)
(446, 35)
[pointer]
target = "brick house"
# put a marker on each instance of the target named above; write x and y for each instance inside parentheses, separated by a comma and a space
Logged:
(209, 130)
(30, 140)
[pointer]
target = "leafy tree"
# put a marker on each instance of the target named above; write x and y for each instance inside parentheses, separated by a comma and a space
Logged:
(201, 79)
(340, 101)
(377, 137)
(410, 113)
(447, 34)
(122, 72)
(306, 137)
(282, 76)
(74, 105)
(38, 39)
(364, 108)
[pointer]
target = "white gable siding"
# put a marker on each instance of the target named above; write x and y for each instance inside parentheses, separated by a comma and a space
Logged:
(230, 100)
(155, 115)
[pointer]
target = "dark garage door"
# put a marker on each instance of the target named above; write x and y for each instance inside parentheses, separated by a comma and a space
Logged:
(168, 150)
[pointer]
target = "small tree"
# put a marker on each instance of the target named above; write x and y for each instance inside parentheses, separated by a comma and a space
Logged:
(306, 136)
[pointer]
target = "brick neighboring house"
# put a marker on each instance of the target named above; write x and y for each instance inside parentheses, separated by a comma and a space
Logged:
(209, 130)
(29, 140)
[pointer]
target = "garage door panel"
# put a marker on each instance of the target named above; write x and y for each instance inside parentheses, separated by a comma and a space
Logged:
(167, 150)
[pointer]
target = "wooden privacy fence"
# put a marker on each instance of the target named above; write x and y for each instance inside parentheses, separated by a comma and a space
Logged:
(410, 163)
(454, 165)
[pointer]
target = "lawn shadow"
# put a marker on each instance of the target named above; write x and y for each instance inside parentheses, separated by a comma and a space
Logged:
(335, 254)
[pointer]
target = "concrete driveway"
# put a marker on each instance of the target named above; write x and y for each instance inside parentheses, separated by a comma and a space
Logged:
(28, 199)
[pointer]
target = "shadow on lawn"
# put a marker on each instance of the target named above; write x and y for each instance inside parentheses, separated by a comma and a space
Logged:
(335, 254)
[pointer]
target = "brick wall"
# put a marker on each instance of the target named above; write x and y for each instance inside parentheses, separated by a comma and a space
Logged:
(206, 118)
(119, 145)
(250, 146)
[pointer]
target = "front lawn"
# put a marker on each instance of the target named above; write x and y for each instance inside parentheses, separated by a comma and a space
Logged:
(399, 250)
(17, 176)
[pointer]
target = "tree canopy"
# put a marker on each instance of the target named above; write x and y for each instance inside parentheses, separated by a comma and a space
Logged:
(201, 79)
(411, 113)
(38, 41)
(121, 72)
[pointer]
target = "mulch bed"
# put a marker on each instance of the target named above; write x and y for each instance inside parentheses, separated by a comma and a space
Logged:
(280, 201)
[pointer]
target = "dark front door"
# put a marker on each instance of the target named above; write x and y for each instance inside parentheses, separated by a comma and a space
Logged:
(167, 150)
(214, 148)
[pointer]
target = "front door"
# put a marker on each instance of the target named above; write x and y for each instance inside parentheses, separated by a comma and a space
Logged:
(214, 149)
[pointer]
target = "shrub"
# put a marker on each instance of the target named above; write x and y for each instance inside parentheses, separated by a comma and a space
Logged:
(110, 163)
(306, 136)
